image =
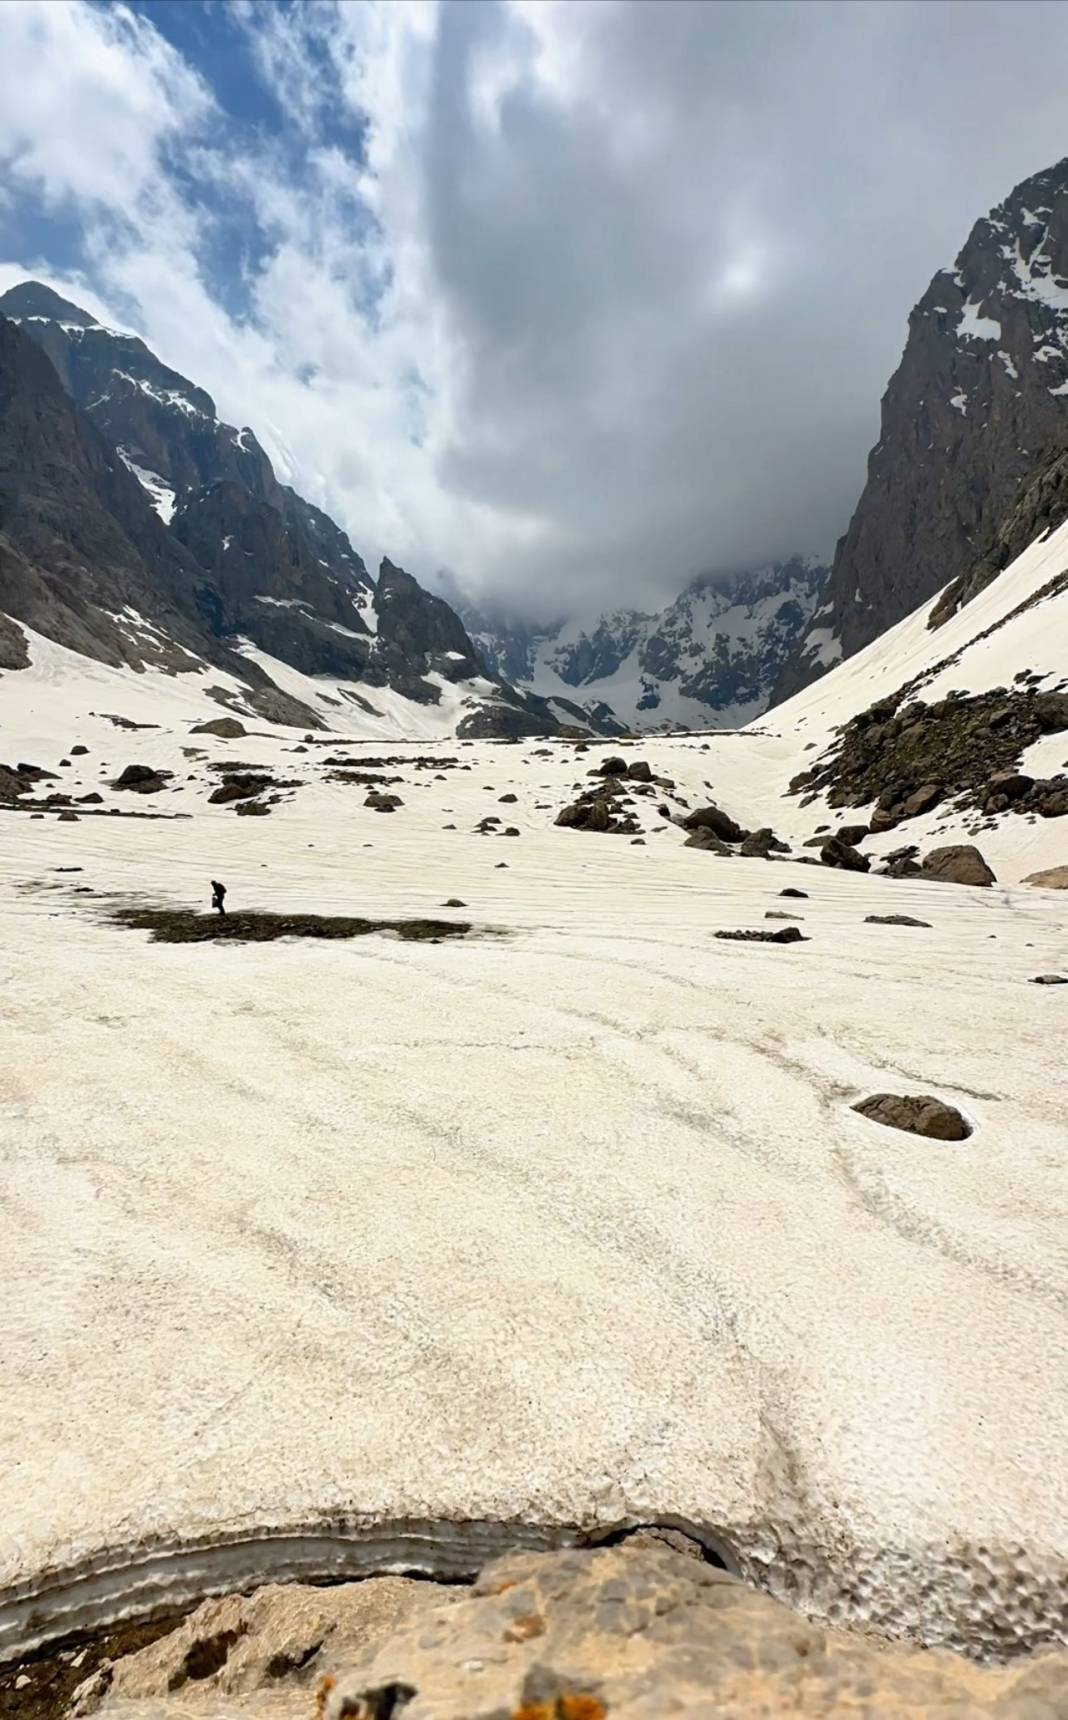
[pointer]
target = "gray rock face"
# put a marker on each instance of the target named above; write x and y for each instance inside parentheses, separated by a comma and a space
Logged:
(633, 1632)
(969, 420)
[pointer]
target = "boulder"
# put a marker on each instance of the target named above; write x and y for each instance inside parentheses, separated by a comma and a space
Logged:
(1009, 784)
(835, 852)
(801, 895)
(1039, 979)
(959, 863)
(921, 800)
(142, 779)
(895, 920)
(762, 844)
(719, 822)
(851, 834)
(1048, 799)
(227, 728)
(240, 786)
(585, 815)
(78, 751)
(916, 1114)
(613, 766)
(702, 838)
(639, 771)
(882, 819)
(1053, 878)
(383, 802)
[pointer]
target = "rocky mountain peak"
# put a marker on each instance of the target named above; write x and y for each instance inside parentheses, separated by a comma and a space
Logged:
(34, 299)
(978, 405)
(708, 659)
(141, 527)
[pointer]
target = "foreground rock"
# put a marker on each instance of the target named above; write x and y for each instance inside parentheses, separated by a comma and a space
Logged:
(631, 1633)
(917, 1114)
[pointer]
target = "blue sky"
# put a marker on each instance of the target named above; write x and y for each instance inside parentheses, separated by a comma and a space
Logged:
(575, 300)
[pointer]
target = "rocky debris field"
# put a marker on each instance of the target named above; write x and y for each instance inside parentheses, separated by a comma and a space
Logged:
(910, 757)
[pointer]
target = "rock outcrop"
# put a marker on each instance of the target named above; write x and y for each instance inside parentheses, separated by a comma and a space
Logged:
(908, 756)
(975, 413)
(632, 1632)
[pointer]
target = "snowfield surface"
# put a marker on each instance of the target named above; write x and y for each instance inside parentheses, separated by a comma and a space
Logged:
(327, 1257)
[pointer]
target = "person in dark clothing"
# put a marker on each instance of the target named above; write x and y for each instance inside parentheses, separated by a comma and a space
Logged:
(218, 896)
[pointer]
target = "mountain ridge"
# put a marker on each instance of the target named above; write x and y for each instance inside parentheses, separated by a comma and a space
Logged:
(235, 558)
(709, 658)
(977, 406)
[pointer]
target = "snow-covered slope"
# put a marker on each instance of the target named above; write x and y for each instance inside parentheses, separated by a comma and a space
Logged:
(577, 1202)
(1013, 636)
(708, 660)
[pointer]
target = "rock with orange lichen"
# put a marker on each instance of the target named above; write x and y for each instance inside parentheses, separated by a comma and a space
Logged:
(629, 1632)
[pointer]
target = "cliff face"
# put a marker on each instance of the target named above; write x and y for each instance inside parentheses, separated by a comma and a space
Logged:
(975, 409)
(136, 525)
(80, 545)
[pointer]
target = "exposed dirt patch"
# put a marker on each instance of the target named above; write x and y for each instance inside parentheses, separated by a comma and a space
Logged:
(186, 926)
(40, 1687)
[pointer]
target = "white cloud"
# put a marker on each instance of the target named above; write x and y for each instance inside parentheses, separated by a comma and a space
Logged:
(89, 97)
(612, 290)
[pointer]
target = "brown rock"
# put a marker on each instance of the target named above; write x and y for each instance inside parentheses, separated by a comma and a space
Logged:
(851, 834)
(1053, 878)
(835, 852)
(705, 839)
(959, 863)
(719, 822)
(142, 779)
(227, 728)
(916, 1113)
(921, 800)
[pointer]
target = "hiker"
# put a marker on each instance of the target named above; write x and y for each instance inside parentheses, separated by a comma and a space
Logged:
(218, 896)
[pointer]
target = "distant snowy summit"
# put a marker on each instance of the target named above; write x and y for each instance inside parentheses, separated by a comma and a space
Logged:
(974, 413)
(710, 659)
